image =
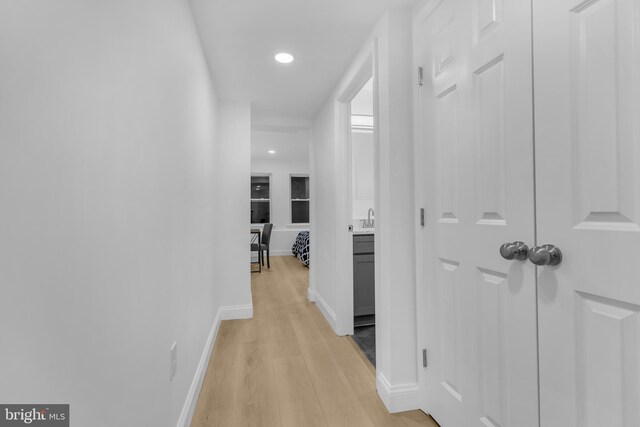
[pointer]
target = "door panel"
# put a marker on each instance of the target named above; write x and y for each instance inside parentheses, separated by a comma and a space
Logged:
(488, 82)
(607, 332)
(603, 140)
(448, 146)
(487, 15)
(493, 300)
(451, 331)
(587, 95)
(475, 121)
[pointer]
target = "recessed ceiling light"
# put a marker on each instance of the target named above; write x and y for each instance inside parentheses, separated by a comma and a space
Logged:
(284, 58)
(271, 152)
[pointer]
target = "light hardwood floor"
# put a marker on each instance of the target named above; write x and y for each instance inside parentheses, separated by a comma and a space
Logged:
(286, 366)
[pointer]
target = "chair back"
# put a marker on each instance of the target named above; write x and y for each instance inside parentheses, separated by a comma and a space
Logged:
(266, 234)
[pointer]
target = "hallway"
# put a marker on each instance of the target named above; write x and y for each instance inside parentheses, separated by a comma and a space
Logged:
(286, 367)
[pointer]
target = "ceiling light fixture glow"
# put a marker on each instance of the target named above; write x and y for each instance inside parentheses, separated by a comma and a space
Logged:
(284, 58)
(271, 152)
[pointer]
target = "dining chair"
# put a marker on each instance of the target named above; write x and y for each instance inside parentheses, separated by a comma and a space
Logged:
(264, 244)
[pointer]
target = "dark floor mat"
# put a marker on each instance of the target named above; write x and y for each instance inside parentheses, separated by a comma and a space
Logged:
(365, 337)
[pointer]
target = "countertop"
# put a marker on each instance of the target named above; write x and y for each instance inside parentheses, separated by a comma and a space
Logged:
(357, 230)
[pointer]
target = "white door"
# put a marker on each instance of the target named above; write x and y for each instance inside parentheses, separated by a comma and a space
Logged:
(587, 109)
(476, 142)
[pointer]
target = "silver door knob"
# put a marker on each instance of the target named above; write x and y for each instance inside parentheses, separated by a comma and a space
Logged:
(515, 250)
(545, 255)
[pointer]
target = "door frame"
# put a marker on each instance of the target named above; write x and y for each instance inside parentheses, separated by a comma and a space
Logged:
(419, 18)
(366, 70)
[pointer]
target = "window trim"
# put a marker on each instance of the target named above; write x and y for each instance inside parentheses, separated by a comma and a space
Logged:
(291, 200)
(251, 200)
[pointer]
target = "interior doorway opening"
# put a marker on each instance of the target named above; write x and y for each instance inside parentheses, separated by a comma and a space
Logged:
(363, 216)
(356, 203)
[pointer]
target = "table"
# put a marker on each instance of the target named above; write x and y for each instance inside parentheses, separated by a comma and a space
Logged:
(256, 238)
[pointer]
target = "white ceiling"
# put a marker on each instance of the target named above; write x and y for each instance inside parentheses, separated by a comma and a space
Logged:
(241, 37)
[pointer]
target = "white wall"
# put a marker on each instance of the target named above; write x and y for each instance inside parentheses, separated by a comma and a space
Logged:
(108, 144)
(362, 166)
(232, 209)
(322, 236)
(291, 158)
(396, 217)
(397, 357)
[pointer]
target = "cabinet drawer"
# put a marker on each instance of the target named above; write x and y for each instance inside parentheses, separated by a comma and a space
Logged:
(363, 244)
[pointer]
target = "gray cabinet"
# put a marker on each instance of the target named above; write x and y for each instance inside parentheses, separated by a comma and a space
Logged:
(364, 299)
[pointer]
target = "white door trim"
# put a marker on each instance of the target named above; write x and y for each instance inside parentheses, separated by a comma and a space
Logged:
(343, 190)
(419, 17)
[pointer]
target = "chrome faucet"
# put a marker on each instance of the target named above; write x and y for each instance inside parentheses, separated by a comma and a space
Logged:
(369, 222)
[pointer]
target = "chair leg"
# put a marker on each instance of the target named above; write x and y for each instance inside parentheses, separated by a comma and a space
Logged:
(268, 260)
(262, 256)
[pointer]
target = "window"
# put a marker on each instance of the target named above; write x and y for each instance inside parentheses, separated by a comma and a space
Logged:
(260, 200)
(299, 199)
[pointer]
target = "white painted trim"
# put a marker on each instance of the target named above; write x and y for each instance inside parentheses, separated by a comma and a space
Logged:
(421, 14)
(234, 312)
(311, 293)
(189, 406)
(364, 70)
(343, 208)
(224, 313)
(399, 397)
(328, 313)
(281, 252)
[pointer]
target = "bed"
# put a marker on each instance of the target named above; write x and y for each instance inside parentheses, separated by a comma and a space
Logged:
(301, 247)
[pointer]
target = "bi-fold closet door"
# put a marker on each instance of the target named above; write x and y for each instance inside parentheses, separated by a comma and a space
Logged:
(476, 135)
(512, 343)
(587, 115)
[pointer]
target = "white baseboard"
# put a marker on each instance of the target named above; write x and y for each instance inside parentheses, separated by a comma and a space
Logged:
(224, 313)
(234, 312)
(327, 312)
(196, 385)
(281, 252)
(399, 397)
(311, 295)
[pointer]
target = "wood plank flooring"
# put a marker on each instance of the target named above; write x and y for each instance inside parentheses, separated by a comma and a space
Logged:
(286, 366)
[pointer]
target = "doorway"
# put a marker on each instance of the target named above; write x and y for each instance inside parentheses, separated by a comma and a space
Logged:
(363, 215)
(355, 197)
